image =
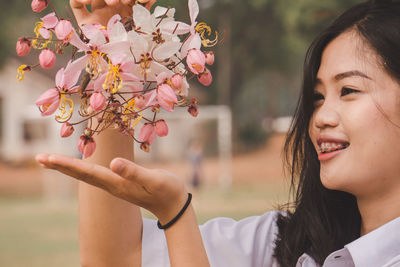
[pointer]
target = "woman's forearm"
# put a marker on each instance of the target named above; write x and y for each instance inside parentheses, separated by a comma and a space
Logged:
(109, 228)
(185, 245)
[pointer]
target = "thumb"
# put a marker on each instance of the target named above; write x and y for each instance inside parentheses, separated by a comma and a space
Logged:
(132, 171)
(79, 9)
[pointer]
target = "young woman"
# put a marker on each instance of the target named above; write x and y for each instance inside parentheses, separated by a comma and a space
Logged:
(344, 160)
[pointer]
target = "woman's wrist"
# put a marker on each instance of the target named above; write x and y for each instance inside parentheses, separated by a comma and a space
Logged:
(172, 208)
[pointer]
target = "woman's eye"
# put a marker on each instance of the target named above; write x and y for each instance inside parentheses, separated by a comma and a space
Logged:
(317, 97)
(346, 91)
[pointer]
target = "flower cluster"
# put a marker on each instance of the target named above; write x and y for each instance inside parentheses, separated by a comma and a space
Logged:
(134, 66)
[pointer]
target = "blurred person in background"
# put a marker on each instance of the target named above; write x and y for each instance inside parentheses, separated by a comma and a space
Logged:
(342, 154)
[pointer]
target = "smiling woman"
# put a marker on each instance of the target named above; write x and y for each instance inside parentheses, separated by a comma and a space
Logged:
(342, 154)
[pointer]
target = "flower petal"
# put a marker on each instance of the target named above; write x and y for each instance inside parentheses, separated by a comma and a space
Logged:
(129, 77)
(50, 20)
(174, 27)
(118, 33)
(166, 50)
(193, 10)
(78, 43)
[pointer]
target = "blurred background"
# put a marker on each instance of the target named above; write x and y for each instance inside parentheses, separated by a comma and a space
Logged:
(230, 155)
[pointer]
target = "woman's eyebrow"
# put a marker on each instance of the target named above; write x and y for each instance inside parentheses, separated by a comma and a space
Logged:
(351, 73)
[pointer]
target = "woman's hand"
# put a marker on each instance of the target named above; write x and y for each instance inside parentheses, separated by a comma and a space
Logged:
(103, 10)
(158, 191)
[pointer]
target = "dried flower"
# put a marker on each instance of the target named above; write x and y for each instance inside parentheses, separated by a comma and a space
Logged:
(47, 58)
(23, 46)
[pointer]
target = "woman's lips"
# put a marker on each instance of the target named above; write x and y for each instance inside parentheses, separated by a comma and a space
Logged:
(329, 155)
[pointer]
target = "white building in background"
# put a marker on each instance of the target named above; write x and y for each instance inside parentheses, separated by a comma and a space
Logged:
(23, 131)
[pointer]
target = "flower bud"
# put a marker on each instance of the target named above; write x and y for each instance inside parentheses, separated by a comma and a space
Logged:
(210, 58)
(66, 129)
(147, 133)
(97, 101)
(23, 46)
(205, 78)
(47, 58)
(38, 5)
(161, 128)
(86, 145)
(196, 61)
(176, 81)
(63, 29)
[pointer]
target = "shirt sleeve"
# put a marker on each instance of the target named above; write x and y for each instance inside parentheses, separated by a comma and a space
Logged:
(229, 243)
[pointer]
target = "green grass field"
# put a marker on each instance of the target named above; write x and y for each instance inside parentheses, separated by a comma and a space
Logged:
(36, 233)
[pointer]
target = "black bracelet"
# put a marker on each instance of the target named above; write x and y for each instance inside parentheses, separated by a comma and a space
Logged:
(177, 216)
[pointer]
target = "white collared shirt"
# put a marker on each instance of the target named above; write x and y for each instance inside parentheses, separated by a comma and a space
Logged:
(250, 243)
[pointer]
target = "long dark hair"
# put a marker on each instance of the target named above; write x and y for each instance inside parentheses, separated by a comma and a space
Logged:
(320, 220)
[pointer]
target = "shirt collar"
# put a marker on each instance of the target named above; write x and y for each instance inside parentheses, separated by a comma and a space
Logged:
(378, 246)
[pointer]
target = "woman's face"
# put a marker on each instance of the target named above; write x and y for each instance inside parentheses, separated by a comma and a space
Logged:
(353, 127)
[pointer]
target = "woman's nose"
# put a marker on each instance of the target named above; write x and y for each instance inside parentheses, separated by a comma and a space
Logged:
(326, 115)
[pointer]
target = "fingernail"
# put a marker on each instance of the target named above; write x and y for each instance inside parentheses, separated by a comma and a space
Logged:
(118, 166)
(41, 158)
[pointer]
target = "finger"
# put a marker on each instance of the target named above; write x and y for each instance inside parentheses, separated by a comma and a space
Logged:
(132, 171)
(150, 4)
(82, 170)
(79, 9)
(127, 2)
(111, 2)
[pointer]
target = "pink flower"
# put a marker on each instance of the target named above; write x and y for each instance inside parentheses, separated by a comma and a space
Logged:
(23, 46)
(38, 5)
(66, 129)
(47, 58)
(147, 133)
(49, 22)
(205, 78)
(176, 81)
(161, 128)
(86, 145)
(210, 58)
(66, 79)
(63, 29)
(166, 97)
(97, 101)
(196, 61)
(48, 102)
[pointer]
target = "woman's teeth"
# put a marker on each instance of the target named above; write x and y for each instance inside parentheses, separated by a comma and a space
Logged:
(327, 147)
